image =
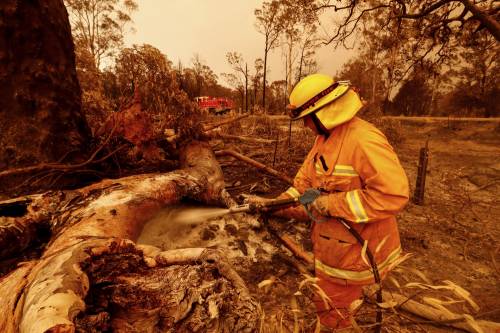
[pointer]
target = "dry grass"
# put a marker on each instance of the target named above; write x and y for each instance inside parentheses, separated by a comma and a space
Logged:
(296, 313)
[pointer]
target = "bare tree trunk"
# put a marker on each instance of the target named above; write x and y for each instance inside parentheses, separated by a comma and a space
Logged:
(390, 79)
(40, 103)
(287, 76)
(301, 61)
(255, 90)
(246, 88)
(264, 80)
(290, 67)
(374, 87)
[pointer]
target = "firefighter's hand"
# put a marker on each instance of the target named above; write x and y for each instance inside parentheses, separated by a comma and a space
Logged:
(320, 205)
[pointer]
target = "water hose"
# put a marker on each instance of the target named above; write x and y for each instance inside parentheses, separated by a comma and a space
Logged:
(306, 200)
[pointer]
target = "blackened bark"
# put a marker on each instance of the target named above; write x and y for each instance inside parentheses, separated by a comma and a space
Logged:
(40, 97)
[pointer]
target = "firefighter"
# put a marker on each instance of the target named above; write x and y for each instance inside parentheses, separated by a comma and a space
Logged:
(361, 181)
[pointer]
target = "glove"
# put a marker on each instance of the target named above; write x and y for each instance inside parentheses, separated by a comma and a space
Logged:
(320, 205)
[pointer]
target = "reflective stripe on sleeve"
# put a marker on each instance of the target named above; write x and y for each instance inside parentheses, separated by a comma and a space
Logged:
(344, 170)
(293, 192)
(339, 170)
(356, 206)
(354, 275)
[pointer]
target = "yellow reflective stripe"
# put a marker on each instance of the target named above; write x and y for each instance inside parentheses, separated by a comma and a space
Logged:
(344, 170)
(293, 192)
(344, 166)
(354, 275)
(356, 207)
(340, 170)
(318, 167)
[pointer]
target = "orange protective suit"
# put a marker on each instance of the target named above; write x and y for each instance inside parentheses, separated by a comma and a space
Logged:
(366, 185)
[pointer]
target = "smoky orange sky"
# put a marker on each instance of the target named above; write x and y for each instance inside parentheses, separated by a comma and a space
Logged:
(211, 28)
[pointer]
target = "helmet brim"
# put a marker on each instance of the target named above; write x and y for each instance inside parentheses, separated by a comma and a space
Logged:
(335, 94)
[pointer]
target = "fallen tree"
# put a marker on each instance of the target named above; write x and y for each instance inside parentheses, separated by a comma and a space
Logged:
(92, 274)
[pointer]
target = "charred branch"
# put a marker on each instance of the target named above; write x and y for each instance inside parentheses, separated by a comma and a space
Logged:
(255, 164)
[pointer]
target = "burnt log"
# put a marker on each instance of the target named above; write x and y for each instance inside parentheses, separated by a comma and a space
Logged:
(92, 273)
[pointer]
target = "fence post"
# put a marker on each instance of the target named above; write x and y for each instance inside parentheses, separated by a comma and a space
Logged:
(418, 197)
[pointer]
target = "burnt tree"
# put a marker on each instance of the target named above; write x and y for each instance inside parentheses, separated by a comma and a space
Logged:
(40, 97)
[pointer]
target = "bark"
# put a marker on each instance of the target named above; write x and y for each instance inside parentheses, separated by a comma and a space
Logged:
(12, 285)
(246, 88)
(40, 103)
(25, 220)
(92, 273)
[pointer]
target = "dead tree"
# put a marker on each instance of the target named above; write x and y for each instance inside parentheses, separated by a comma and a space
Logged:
(93, 275)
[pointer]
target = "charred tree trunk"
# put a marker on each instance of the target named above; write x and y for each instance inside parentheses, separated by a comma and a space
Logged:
(266, 50)
(40, 114)
(93, 275)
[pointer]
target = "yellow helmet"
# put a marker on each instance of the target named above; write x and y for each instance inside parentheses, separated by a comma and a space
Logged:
(313, 92)
(316, 92)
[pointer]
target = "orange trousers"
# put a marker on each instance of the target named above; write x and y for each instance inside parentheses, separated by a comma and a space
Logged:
(336, 314)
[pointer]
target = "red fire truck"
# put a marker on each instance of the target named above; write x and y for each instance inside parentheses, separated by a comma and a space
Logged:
(216, 105)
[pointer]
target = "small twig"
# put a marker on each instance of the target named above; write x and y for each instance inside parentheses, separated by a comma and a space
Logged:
(108, 155)
(58, 166)
(56, 179)
(40, 179)
(66, 155)
(29, 180)
(409, 298)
